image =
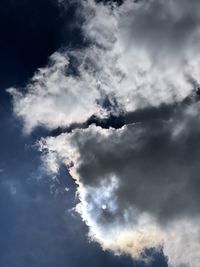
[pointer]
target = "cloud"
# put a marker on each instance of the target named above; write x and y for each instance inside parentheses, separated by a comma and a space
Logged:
(53, 99)
(136, 57)
(166, 29)
(137, 185)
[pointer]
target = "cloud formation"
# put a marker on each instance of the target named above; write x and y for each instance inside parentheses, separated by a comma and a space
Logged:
(50, 98)
(137, 57)
(137, 185)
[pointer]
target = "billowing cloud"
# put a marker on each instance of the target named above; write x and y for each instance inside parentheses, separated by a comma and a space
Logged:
(137, 57)
(53, 99)
(137, 185)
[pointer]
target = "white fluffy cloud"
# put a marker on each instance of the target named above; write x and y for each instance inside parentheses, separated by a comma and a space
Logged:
(138, 185)
(54, 99)
(142, 54)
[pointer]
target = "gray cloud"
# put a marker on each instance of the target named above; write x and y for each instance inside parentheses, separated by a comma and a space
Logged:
(157, 168)
(139, 183)
(164, 28)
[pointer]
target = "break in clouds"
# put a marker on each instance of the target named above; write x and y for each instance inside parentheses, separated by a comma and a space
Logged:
(138, 185)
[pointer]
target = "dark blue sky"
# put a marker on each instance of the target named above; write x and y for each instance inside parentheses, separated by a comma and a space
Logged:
(36, 228)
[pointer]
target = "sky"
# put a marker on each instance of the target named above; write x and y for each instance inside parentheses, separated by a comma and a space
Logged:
(99, 111)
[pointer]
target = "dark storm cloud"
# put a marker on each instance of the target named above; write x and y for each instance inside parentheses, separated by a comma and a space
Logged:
(156, 162)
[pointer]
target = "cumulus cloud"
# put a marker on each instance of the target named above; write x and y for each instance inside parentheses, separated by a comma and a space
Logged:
(137, 185)
(54, 99)
(139, 55)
